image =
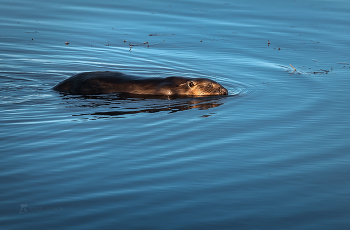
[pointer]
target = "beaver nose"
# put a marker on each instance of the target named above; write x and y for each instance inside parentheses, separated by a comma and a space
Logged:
(223, 91)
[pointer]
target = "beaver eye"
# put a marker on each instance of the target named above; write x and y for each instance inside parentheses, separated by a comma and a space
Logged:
(210, 85)
(190, 84)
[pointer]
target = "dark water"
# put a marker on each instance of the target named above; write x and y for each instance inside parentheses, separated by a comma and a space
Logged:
(273, 155)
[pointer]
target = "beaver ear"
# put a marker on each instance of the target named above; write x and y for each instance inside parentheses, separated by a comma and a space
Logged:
(190, 84)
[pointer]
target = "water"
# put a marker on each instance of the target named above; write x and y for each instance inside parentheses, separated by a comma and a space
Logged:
(272, 155)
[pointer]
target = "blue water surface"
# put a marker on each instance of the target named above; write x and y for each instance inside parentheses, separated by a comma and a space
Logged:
(274, 154)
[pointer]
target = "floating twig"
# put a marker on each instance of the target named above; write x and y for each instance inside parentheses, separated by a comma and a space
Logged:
(293, 67)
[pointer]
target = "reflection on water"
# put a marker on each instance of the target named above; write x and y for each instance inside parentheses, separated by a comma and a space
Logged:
(124, 104)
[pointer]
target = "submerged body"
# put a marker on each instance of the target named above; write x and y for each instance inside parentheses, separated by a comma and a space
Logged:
(94, 83)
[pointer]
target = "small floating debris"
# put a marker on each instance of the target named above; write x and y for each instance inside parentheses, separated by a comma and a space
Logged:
(160, 34)
(131, 46)
(321, 71)
(293, 67)
(67, 43)
(146, 43)
(268, 43)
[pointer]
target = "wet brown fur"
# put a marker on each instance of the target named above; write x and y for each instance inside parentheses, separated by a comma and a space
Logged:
(94, 83)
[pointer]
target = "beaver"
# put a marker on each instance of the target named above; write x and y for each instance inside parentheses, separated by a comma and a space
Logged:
(95, 83)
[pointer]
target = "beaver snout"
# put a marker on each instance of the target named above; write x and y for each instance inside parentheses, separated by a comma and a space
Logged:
(223, 91)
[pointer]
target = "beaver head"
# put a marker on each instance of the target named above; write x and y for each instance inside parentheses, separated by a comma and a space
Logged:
(205, 87)
(196, 87)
